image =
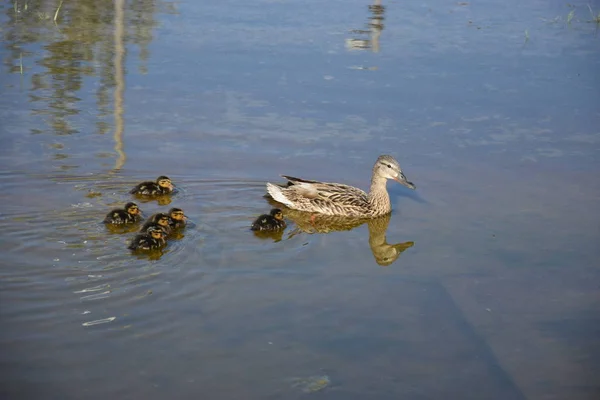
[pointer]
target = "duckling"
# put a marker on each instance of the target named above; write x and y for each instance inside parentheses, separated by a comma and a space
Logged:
(269, 222)
(130, 214)
(178, 218)
(161, 219)
(161, 187)
(152, 239)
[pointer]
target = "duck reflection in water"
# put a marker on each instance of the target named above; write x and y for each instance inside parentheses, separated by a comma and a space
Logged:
(383, 252)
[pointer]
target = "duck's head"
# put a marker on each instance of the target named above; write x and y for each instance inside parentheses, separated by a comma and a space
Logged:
(388, 168)
(164, 182)
(277, 214)
(177, 214)
(132, 208)
(161, 219)
(156, 232)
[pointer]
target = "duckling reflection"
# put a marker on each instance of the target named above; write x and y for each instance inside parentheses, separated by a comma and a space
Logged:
(152, 255)
(163, 200)
(275, 236)
(383, 252)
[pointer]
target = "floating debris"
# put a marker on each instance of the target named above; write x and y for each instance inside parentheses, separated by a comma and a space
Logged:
(97, 296)
(82, 205)
(99, 321)
(94, 289)
(311, 384)
(91, 194)
(362, 68)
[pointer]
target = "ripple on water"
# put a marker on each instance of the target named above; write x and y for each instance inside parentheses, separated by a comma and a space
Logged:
(78, 261)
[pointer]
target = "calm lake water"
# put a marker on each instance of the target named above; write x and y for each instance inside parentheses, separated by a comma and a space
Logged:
(492, 109)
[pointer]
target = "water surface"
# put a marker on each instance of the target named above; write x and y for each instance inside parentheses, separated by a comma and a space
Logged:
(491, 109)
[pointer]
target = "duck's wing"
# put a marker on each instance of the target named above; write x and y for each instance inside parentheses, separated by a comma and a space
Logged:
(137, 188)
(292, 180)
(115, 217)
(138, 242)
(260, 222)
(323, 197)
(144, 188)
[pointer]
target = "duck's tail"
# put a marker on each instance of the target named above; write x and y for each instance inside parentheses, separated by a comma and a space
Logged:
(277, 194)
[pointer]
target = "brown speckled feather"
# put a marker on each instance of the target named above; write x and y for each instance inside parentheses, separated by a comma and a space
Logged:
(328, 198)
(338, 199)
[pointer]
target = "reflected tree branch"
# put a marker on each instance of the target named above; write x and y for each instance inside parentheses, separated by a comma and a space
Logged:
(375, 26)
(119, 82)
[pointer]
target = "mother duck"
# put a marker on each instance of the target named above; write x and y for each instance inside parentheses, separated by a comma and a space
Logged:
(339, 199)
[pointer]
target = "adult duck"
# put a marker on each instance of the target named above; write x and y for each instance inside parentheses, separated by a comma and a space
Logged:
(339, 199)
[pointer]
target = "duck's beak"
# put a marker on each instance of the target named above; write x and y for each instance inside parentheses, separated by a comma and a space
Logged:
(401, 179)
(171, 186)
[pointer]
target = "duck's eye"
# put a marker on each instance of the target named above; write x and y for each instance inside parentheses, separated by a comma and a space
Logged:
(389, 166)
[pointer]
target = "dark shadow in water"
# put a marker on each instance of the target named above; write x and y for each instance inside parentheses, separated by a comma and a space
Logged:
(383, 252)
(583, 328)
